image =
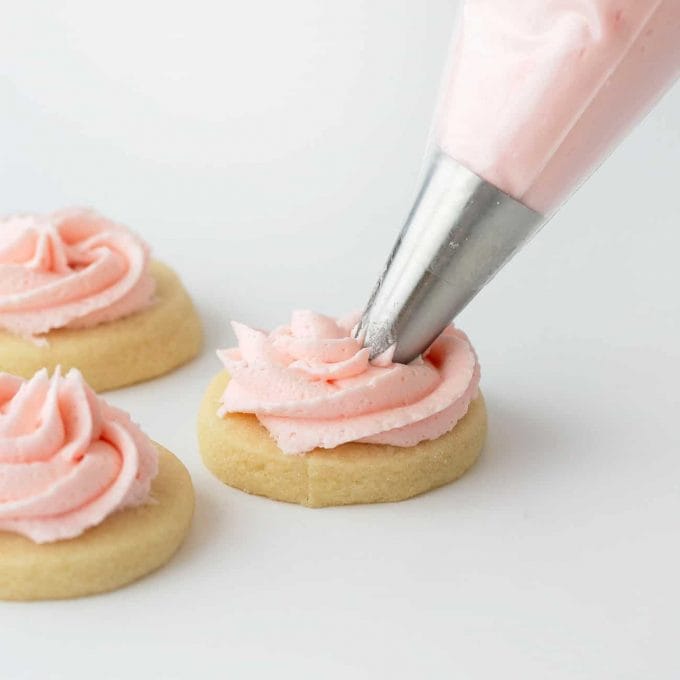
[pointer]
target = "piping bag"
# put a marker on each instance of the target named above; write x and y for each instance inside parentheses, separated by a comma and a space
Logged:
(538, 93)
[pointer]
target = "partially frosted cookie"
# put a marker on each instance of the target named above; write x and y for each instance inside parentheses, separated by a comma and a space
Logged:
(87, 502)
(78, 290)
(302, 415)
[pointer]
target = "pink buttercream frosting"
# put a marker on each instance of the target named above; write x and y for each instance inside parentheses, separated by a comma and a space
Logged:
(70, 268)
(311, 384)
(67, 458)
(540, 91)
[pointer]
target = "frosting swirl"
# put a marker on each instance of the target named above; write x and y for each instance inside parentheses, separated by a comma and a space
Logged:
(311, 384)
(69, 268)
(67, 458)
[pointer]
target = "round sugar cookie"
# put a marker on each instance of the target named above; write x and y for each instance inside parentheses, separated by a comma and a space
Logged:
(239, 451)
(138, 347)
(126, 546)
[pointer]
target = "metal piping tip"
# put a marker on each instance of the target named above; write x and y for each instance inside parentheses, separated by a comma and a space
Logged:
(460, 232)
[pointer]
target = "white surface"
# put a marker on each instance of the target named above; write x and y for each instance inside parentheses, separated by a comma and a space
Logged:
(269, 152)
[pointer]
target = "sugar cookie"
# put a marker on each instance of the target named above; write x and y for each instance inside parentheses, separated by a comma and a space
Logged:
(308, 418)
(87, 502)
(239, 451)
(77, 290)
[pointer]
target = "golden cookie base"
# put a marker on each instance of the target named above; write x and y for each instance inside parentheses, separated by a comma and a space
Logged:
(124, 547)
(239, 451)
(122, 352)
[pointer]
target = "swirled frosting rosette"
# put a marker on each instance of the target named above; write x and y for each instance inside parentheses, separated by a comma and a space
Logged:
(311, 384)
(72, 268)
(67, 458)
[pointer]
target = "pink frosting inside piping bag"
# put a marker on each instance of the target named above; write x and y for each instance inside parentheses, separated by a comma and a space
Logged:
(67, 458)
(70, 268)
(540, 91)
(311, 384)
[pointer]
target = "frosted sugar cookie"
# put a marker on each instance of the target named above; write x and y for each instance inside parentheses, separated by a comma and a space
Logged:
(302, 415)
(78, 290)
(87, 502)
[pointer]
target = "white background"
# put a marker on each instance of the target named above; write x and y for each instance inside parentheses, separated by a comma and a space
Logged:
(269, 151)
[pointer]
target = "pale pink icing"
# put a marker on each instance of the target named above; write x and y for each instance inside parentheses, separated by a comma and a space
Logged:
(67, 458)
(540, 91)
(70, 268)
(311, 385)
